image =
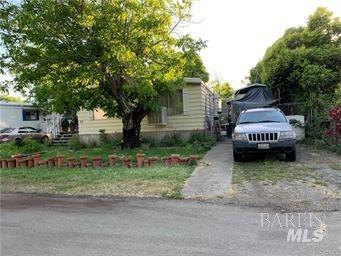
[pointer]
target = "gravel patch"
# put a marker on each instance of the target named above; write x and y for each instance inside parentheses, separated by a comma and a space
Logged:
(319, 190)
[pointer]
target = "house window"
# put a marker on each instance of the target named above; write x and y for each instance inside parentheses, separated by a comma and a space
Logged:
(99, 114)
(174, 103)
(30, 115)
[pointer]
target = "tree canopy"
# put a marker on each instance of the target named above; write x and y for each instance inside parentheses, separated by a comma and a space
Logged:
(223, 89)
(304, 64)
(9, 98)
(119, 56)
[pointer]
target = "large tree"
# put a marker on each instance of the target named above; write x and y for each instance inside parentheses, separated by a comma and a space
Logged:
(304, 64)
(119, 56)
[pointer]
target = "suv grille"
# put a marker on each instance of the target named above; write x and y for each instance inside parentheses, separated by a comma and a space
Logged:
(264, 136)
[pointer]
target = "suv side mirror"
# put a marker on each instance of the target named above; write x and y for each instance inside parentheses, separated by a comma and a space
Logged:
(292, 121)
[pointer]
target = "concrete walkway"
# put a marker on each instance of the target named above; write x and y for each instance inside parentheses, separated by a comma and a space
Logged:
(212, 178)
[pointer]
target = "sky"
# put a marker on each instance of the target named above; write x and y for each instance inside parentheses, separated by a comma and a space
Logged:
(239, 31)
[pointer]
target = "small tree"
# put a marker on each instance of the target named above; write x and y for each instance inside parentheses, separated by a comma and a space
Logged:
(223, 89)
(115, 55)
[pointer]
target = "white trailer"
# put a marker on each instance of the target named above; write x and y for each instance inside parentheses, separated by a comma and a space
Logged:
(25, 114)
(19, 114)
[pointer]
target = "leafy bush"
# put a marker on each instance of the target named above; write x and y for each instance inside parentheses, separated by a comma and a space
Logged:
(202, 141)
(148, 141)
(26, 146)
(104, 138)
(29, 145)
(75, 143)
(170, 140)
(196, 137)
(324, 143)
(336, 148)
(7, 149)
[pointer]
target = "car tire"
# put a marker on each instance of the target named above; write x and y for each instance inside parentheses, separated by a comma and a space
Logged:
(45, 140)
(237, 157)
(18, 141)
(291, 157)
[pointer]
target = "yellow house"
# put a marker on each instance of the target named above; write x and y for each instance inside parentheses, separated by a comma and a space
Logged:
(190, 108)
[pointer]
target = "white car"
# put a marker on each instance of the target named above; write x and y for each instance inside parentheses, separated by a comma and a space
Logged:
(18, 134)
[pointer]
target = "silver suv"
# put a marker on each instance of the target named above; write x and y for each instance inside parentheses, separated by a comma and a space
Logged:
(263, 130)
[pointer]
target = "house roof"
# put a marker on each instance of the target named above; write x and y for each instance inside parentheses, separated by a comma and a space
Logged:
(198, 81)
(15, 104)
(193, 80)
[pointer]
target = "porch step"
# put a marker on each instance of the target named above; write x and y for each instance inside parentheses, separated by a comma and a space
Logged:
(62, 139)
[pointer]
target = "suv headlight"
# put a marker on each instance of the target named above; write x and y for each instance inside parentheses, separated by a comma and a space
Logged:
(287, 135)
(239, 136)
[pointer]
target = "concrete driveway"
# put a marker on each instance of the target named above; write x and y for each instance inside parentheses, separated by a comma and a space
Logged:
(38, 225)
(212, 178)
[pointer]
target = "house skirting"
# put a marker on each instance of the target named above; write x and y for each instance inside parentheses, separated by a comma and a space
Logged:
(155, 136)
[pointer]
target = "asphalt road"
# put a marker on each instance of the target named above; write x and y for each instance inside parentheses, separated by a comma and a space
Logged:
(39, 225)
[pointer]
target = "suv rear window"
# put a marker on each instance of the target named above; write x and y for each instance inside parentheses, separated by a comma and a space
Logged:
(261, 117)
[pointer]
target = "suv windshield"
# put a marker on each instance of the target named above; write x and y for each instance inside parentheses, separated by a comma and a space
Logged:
(261, 117)
(7, 130)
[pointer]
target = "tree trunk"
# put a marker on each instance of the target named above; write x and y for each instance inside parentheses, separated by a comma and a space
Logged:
(131, 116)
(131, 130)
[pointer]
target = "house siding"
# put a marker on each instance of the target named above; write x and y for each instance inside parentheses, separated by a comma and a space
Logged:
(193, 119)
(210, 104)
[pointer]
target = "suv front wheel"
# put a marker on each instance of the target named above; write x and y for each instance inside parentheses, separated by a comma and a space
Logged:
(237, 157)
(291, 156)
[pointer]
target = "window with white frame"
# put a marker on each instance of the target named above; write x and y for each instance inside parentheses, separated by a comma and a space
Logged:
(174, 103)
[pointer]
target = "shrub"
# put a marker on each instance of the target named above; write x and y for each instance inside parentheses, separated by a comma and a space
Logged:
(336, 148)
(29, 145)
(148, 141)
(75, 143)
(202, 141)
(104, 138)
(26, 146)
(8, 149)
(170, 140)
(91, 144)
(324, 143)
(196, 137)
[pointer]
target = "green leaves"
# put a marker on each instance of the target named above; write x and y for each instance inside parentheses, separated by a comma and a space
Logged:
(114, 55)
(223, 89)
(304, 64)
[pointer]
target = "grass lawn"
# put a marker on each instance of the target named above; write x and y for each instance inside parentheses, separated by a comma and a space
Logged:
(105, 152)
(157, 181)
(270, 171)
(6, 151)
